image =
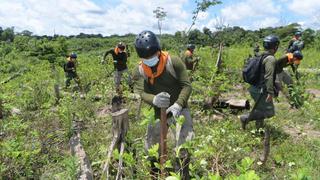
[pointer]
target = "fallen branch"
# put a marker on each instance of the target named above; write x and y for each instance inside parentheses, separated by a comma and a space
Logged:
(214, 103)
(77, 150)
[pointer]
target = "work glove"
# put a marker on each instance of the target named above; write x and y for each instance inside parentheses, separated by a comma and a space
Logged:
(175, 109)
(161, 100)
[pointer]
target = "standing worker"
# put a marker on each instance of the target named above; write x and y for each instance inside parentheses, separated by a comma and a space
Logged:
(263, 91)
(120, 57)
(70, 70)
(164, 83)
(296, 43)
(189, 59)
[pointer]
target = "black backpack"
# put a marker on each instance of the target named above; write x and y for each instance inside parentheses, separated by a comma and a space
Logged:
(252, 68)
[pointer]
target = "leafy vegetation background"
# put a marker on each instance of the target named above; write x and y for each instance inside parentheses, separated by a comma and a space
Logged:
(34, 142)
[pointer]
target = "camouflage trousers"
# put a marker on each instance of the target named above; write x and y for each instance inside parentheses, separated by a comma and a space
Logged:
(263, 108)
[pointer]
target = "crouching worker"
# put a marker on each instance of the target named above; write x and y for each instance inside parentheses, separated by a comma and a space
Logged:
(70, 70)
(290, 59)
(164, 83)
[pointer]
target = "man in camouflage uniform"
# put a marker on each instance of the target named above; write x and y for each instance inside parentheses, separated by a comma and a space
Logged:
(164, 83)
(264, 92)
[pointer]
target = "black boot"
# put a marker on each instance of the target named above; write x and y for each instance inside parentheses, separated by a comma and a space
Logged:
(244, 119)
(259, 127)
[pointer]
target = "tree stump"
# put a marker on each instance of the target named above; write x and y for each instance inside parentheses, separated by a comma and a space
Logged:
(120, 126)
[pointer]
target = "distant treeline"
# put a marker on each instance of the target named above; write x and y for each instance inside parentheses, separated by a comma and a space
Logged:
(205, 37)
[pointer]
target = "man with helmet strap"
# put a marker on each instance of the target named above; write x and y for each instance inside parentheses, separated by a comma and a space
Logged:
(290, 59)
(120, 65)
(162, 88)
(70, 70)
(263, 92)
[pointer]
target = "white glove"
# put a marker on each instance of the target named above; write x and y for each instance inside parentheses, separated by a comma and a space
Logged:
(161, 100)
(175, 109)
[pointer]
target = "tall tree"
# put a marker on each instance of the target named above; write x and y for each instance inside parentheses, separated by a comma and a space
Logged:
(160, 14)
(7, 34)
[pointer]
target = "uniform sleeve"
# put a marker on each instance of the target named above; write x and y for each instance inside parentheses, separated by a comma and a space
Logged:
(184, 82)
(269, 64)
(281, 63)
(142, 87)
(107, 53)
(125, 58)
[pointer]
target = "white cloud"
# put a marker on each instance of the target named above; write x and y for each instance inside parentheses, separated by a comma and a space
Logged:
(42, 17)
(313, 22)
(75, 16)
(249, 10)
(305, 7)
(203, 16)
(266, 22)
(217, 22)
(138, 15)
(132, 16)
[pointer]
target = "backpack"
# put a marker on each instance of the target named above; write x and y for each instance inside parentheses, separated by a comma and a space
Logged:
(297, 46)
(252, 69)
(169, 67)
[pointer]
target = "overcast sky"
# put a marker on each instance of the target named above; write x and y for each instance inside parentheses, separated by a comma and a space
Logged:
(132, 16)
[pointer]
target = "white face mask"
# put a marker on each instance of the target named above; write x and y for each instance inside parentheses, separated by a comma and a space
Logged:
(151, 62)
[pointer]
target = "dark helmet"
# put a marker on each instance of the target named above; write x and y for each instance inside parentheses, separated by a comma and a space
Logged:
(147, 44)
(298, 33)
(298, 55)
(191, 47)
(271, 42)
(121, 46)
(73, 55)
